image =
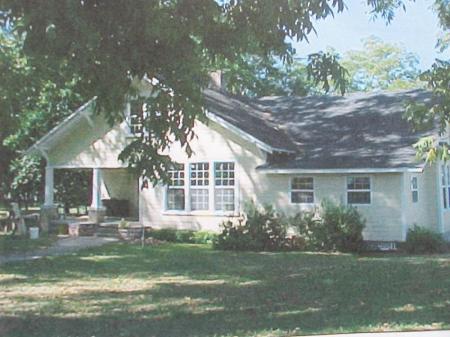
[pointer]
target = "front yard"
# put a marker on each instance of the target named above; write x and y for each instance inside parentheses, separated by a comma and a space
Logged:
(192, 290)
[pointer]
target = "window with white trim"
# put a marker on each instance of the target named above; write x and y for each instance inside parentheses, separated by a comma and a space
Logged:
(136, 115)
(199, 186)
(302, 190)
(414, 189)
(358, 190)
(202, 186)
(224, 186)
(175, 197)
(445, 185)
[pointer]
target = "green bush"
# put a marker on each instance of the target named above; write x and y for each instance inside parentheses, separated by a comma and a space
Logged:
(337, 227)
(421, 240)
(165, 234)
(262, 230)
(204, 237)
(182, 235)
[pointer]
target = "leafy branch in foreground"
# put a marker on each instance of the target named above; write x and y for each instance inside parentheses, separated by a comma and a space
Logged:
(107, 44)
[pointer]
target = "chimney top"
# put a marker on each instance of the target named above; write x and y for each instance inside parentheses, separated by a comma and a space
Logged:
(215, 79)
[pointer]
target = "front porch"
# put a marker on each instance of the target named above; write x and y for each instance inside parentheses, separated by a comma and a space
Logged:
(113, 196)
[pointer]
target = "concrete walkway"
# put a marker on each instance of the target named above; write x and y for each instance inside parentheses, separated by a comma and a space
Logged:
(440, 333)
(62, 246)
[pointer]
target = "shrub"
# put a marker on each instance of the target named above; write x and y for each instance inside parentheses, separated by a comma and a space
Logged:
(421, 240)
(261, 230)
(165, 234)
(184, 236)
(338, 227)
(204, 237)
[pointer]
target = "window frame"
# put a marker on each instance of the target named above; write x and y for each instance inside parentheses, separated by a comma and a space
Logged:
(169, 187)
(211, 192)
(414, 189)
(224, 187)
(128, 117)
(347, 190)
(199, 187)
(444, 179)
(291, 190)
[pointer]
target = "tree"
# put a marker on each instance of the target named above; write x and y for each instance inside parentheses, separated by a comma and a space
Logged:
(438, 80)
(34, 100)
(381, 65)
(255, 76)
(108, 44)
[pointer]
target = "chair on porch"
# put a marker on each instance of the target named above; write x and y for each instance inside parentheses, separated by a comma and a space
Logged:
(19, 219)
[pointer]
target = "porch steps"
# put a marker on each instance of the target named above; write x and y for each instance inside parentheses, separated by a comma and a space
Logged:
(107, 230)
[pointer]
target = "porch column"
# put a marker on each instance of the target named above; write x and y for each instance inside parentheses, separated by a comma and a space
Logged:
(49, 210)
(49, 200)
(96, 211)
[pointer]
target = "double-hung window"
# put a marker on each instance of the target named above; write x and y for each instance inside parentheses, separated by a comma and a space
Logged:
(358, 190)
(302, 190)
(202, 186)
(136, 115)
(224, 186)
(176, 189)
(199, 186)
(414, 189)
(445, 182)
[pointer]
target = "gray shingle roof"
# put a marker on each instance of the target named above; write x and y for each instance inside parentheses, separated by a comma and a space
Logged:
(247, 118)
(331, 132)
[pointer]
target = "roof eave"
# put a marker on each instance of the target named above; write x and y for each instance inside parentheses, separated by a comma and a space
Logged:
(82, 111)
(341, 170)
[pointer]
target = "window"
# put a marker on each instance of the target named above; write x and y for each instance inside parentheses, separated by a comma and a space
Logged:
(199, 185)
(176, 189)
(445, 182)
(136, 116)
(224, 186)
(358, 190)
(414, 189)
(302, 190)
(202, 186)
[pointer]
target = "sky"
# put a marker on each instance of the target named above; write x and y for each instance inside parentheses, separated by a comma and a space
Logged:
(416, 30)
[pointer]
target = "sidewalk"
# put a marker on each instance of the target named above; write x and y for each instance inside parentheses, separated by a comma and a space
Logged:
(439, 333)
(61, 247)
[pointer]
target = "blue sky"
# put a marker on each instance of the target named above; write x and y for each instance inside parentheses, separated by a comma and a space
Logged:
(416, 30)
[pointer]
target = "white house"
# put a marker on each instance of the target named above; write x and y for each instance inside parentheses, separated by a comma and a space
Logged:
(289, 152)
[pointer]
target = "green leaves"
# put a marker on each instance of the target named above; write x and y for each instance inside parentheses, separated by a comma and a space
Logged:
(381, 65)
(325, 68)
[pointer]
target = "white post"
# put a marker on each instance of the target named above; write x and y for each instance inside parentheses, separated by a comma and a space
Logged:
(97, 182)
(49, 186)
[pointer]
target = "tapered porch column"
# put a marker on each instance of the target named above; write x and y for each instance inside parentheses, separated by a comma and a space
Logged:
(49, 186)
(49, 210)
(97, 211)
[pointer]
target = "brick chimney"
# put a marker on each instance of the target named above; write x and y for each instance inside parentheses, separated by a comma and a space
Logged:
(215, 80)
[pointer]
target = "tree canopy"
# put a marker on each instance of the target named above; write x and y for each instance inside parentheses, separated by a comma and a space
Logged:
(106, 44)
(381, 65)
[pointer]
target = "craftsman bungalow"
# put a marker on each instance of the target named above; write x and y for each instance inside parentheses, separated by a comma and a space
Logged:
(289, 152)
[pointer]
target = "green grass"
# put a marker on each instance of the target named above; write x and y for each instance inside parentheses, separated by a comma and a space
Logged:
(192, 290)
(20, 244)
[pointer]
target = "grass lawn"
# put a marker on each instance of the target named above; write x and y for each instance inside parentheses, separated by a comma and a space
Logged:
(21, 244)
(192, 290)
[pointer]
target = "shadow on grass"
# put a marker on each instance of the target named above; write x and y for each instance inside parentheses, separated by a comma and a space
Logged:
(180, 290)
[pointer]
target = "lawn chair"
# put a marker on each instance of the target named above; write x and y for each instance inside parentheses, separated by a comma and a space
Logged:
(19, 219)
